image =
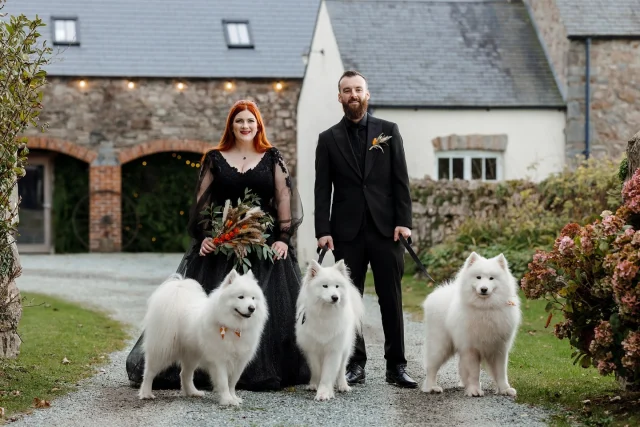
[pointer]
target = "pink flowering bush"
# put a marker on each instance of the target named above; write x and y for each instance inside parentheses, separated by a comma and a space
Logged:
(591, 277)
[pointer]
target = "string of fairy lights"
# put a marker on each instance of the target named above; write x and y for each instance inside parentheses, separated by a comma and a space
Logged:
(176, 156)
(228, 85)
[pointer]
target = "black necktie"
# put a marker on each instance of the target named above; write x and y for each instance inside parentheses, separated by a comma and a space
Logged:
(358, 138)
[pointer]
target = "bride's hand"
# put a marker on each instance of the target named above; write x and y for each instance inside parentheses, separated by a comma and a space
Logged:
(280, 249)
(207, 246)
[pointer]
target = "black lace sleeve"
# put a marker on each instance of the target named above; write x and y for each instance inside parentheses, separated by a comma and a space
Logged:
(287, 201)
(203, 198)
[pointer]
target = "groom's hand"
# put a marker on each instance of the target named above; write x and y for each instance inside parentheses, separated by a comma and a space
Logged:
(324, 240)
(406, 233)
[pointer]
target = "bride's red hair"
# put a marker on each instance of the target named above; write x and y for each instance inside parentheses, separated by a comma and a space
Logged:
(228, 140)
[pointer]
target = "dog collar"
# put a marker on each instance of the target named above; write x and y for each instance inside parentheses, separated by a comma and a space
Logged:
(223, 331)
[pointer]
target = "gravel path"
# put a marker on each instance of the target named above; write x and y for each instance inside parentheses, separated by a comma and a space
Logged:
(121, 283)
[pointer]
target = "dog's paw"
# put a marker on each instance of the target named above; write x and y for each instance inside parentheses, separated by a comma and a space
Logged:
(508, 392)
(238, 399)
(324, 394)
(145, 396)
(311, 387)
(433, 389)
(473, 391)
(228, 400)
(344, 388)
(193, 393)
(430, 388)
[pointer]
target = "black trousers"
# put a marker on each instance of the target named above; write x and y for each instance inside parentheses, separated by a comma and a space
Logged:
(387, 264)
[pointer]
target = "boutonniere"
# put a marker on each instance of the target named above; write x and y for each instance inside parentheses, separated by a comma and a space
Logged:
(380, 141)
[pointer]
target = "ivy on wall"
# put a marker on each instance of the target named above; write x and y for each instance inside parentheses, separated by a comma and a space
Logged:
(70, 188)
(160, 188)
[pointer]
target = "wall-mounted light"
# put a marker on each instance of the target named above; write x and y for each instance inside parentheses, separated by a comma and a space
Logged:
(131, 85)
(82, 83)
(278, 86)
(305, 55)
(180, 86)
(228, 85)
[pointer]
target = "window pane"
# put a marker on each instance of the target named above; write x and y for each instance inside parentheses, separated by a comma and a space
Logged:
(458, 168)
(490, 167)
(71, 31)
(476, 168)
(60, 31)
(243, 33)
(443, 168)
(232, 30)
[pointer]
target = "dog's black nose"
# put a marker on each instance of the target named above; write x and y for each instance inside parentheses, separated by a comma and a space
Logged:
(483, 290)
(252, 309)
(334, 298)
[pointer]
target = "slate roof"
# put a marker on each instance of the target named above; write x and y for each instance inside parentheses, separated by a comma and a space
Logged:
(445, 53)
(600, 17)
(185, 38)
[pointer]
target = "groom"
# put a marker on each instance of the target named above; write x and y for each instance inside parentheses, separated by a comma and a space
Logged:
(371, 207)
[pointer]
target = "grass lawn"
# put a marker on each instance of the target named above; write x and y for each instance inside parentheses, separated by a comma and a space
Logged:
(52, 331)
(541, 370)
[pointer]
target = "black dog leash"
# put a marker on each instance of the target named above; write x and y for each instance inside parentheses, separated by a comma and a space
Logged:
(322, 252)
(407, 245)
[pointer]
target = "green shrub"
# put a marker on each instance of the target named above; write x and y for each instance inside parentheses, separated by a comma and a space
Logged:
(530, 219)
(590, 277)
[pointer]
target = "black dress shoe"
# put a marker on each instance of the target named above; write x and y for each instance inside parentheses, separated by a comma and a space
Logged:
(355, 374)
(398, 376)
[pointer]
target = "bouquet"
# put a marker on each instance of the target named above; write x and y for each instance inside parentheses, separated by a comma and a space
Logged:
(240, 230)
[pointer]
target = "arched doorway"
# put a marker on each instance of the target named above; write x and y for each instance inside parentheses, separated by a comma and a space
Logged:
(56, 177)
(161, 186)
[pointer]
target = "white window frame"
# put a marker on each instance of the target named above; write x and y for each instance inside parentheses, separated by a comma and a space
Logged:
(467, 155)
(65, 31)
(237, 34)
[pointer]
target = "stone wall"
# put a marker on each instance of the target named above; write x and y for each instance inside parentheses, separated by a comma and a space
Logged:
(553, 35)
(615, 96)
(109, 122)
(439, 207)
(107, 112)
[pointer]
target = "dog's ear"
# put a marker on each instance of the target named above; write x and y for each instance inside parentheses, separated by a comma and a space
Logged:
(502, 262)
(471, 259)
(249, 274)
(342, 268)
(314, 268)
(233, 275)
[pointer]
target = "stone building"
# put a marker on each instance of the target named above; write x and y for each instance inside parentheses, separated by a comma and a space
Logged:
(594, 48)
(133, 78)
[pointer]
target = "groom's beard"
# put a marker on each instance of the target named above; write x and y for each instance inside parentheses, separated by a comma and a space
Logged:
(355, 111)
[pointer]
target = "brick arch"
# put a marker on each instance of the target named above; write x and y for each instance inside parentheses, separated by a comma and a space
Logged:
(65, 147)
(163, 145)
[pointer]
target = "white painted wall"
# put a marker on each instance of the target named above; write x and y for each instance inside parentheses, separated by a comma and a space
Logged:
(318, 110)
(535, 147)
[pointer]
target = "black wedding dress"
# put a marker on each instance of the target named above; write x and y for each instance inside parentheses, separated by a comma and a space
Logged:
(278, 362)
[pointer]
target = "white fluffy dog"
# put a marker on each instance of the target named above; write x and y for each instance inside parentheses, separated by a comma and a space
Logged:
(329, 314)
(219, 332)
(477, 317)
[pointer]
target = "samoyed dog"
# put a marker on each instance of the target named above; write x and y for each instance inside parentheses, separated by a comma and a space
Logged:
(329, 314)
(476, 317)
(219, 332)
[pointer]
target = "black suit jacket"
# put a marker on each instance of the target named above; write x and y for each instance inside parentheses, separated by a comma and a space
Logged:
(384, 186)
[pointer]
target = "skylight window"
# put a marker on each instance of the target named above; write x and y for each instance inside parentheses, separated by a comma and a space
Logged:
(65, 31)
(237, 34)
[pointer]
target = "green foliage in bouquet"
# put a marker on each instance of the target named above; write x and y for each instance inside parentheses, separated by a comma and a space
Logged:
(240, 230)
